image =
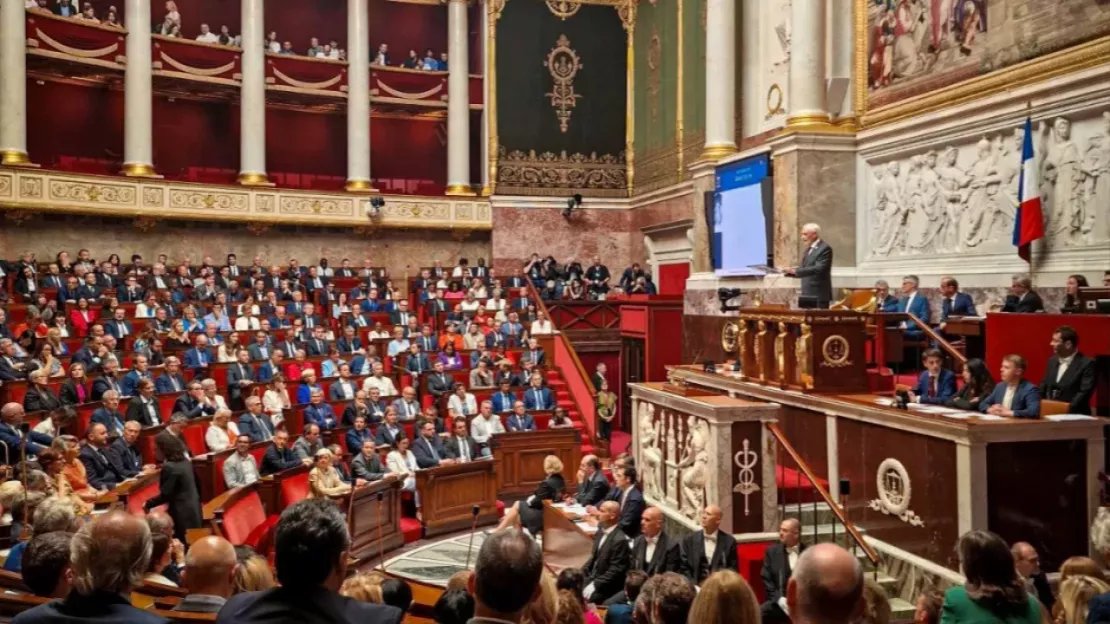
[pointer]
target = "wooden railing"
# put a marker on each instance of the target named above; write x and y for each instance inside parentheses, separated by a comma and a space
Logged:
(803, 469)
(574, 315)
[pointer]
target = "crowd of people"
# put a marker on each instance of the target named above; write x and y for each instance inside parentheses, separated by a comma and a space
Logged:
(71, 9)
(570, 281)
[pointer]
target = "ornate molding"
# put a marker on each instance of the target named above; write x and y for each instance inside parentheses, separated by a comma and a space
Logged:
(521, 173)
(24, 192)
(563, 64)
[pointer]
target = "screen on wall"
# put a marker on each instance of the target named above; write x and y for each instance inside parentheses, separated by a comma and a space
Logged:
(740, 217)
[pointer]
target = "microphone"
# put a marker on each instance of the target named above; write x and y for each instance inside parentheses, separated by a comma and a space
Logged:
(381, 543)
(473, 525)
(25, 431)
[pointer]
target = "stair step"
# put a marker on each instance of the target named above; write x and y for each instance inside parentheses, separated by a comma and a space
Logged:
(901, 609)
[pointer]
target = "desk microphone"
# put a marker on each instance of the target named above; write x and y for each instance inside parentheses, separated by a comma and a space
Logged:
(473, 526)
(381, 544)
(25, 432)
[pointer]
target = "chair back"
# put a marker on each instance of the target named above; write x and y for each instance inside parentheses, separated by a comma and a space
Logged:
(1050, 407)
(294, 489)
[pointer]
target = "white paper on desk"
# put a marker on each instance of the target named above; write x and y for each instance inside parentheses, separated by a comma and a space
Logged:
(987, 416)
(884, 401)
(958, 415)
(578, 510)
(1066, 417)
(586, 527)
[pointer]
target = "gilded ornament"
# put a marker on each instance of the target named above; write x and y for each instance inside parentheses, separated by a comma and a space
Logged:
(654, 58)
(746, 461)
(728, 337)
(563, 64)
(549, 173)
(18, 217)
(835, 351)
(258, 229)
(802, 348)
(563, 9)
(145, 224)
(759, 341)
(780, 351)
(774, 101)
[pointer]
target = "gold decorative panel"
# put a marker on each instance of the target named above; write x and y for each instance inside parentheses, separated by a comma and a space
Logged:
(529, 173)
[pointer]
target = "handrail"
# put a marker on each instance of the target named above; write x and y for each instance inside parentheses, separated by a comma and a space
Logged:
(936, 338)
(80, 22)
(872, 556)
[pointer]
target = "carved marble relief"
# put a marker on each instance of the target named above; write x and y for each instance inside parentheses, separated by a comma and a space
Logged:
(673, 459)
(962, 197)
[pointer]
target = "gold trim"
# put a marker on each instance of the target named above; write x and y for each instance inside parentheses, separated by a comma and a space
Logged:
(806, 120)
(69, 20)
(627, 12)
(713, 153)
(138, 170)
(196, 71)
(459, 190)
(409, 96)
(360, 186)
(563, 9)
(319, 86)
(680, 105)
(254, 179)
(79, 53)
(493, 12)
(14, 158)
(563, 65)
(547, 173)
(486, 191)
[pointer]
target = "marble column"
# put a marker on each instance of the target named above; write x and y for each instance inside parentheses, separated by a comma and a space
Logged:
(358, 97)
(807, 96)
(13, 76)
(458, 101)
(484, 160)
(252, 105)
(720, 88)
(842, 53)
(138, 95)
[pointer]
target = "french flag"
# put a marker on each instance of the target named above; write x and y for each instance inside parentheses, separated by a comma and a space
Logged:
(1029, 220)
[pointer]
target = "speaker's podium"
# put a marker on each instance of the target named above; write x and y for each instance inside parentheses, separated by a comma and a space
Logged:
(816, 350)
(449, 493)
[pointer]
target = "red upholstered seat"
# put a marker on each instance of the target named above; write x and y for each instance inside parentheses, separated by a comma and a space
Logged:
(139, 496)
(194, 439)
(242, 516)
(412, 529)
(794, 486)
(750, 556)
(294, 489)
(500, 509)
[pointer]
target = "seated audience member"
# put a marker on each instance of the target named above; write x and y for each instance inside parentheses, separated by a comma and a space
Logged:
(40, 397)
(1022, 297)
(343, 389)
(503, 400)
(254, 423)
(98, 470)
(319, 413)
(1071, 299)
(192, 403)
(1069, 375)
(222, 433)
(529, 512)
(480, 375)
(506, 576)
(309, 443)
(485, 425)
(653, 552)
(993, 590)
(324, 480)
(311, 543)
(978, 384)
(533, 354)
(161, 555)
(279, 458)
(927, 607)
(358, 434)
(124, 455)
(1028, 564)
(402, 462)
(560, 419)
(620, 612)
(1014, 396)
(428, 448)
(379, 380)
(954, 302)
(592, 487)
(876, 606)
(455, 606)
(209, 575)
(725, 596)
(240, 468)
(397, 593)
(198, 358)
(1076, 594)
(389, 430)
(367, 464)
(937, 384)
(827, 586)
(537, 397)
(461, 403)
(52, 515)
(439, 382)
(171, 380)
(609, 558)
(108, 557)
(913, 302)
(520, 420)
(779, 562)
(417, 361)
(572, 607)
(46, 567)
(308, 386)
(364, 587)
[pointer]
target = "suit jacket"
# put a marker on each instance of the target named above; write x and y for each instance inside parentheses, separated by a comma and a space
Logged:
(593, 491)
(36, 442)
(422, 450)
(535, 357)
(178, 489)
(538, 399)
(236, 373)
(1099, 609)
(1076, 386)
(137, 411)
(815, 271)
(115, 328)
(248, 427)
(8, 371)
(418, 364)
(960, 305)
(256, 353)
(453, 446)
(1029, 303)
(1026, 402)
(776, 571)
(336, 391)
(101, 474)
(495, 339)
(959, 607)
(440, 384)
(607, 565)
(125, 459)
(69, 395)
(276, 461)
(367, 468)
(919, 307)
(131, 381)
(668, 555)
(112, 420)
(516, 423)
(946, 387)
(306, 606)
(321, 415)
(191, 407)
(193, 358)
(383, 435)
(103, 384)
(724, 556)
(97, 608)
(503, 403)
(38, 400)
(164, 383)
(631, 511)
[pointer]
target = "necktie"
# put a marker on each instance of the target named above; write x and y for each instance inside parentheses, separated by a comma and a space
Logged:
(464, 450)
(932, 386)
(432, 448)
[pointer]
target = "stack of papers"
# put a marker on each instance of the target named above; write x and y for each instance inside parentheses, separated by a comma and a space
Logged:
(1067, 417)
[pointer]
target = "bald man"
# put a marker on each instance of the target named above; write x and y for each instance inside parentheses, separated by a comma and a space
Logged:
(1028, 564)
(209, 575)
(709, 549)
(653, 552)
(778, 562)
(608, 563)
(827, 587)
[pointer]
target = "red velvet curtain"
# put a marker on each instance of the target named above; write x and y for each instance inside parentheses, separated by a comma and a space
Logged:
(300, 20)
(406, 26)
(197, 141)
(74, 127)
(412, 149)
(309, 144)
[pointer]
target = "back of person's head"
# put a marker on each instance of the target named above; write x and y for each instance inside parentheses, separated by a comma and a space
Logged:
(992, 579)
(210, 567)
(364, 587)
(927, 609)
(632, 584)
(397, 593)
(1076, 566)
(45, 562)
(644, 606)
(311, 544)
(826, 586)
(876, 606)
(543, 607)
(570, 609)
(507, 572)
(110, 554)
(458, 580)
(674, 594)
(724, 597)
(572, 580)
(1100, 532)
(160, 547)
(24, 504)
(253, 574)
(54, 514)
(1075, 597)
(454, 606)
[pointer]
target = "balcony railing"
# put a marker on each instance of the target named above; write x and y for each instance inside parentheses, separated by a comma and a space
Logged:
(74, 40)
(192, 60)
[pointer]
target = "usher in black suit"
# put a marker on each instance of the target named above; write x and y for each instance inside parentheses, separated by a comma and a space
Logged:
(1076, 386)
(608, 564)
(667, 557)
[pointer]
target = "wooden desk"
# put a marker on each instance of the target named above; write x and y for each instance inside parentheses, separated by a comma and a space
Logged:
(135, 493)
(973, 331)
(374, 518)
(519, 457)
(449, 493)
(565, 545)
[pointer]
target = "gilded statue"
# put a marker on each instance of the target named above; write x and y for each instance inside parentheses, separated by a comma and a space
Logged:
(780, 351)
(759, 349)
(802, 347)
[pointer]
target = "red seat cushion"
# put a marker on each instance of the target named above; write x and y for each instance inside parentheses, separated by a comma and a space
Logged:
(242, 517)
(750, 556)
(294, 489)
(262, 536)
(141, 495)
(500, 509)
(412, 529)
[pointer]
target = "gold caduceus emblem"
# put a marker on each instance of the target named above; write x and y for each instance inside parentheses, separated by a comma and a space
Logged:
(563, 64)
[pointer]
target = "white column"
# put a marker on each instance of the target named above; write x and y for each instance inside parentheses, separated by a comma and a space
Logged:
(358, 96)
(720, 84)
(484, 160)
(138, 124)
(13, 77)
(252, 104)
(807, 100)
(458, 101)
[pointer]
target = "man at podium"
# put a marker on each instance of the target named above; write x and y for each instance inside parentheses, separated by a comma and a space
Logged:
(815, 269)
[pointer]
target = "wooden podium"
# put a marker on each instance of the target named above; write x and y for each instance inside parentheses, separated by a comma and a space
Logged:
(819, 350)
(374, 518)
(449, 493)
(519, 457)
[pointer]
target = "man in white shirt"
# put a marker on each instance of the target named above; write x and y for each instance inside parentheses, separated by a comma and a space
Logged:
(408, 408)
(206, 35)
(484, 426)
(779, 562)
(241, 468)
(609, 560)
(461, 403)
(272, 43)
(247, 322)
(377, 379)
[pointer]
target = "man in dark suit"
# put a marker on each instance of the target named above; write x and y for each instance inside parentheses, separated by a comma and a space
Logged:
(1014, 396)
(460, 446)
(107, 380)
(260, 349)
(101, 474)
(653, 552)
(109, 415)
(123, 454)
(709, 549)
(11, 417)
(779, 562)
(11, 369)
(209, 575)
(192, 403)
(955, 303)
(534, 353)
(627, 494)
(1069, 375)
(311, 545)
(140, 369)
(439, 382)
(427, 447)
(401, 315)
(520, 420)
(279, 456)
(131, 292)
(171, 380)
(815, 269)
(1022, 297)
(254, 423)
(593, 487)
(119, 541)
(367, 464)
(240, 379)
(417, 361)
(389, 431)
(915, 303)
(937, 384)
(609, 558)
(119, 327)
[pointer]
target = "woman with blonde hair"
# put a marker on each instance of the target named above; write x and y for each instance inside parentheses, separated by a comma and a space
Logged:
(73, 469)
(364, 587)
(323, 479)
(529, 512)
(1075, 598)
(725, 597)
(253, 574)
(570, 609)
(1080, 566)
(222, 433)
(544, 606)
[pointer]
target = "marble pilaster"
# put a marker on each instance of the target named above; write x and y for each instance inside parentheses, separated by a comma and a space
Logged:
(13, 73)
(358, 97)
(458, 101)
(138, 94)
(252, 108)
